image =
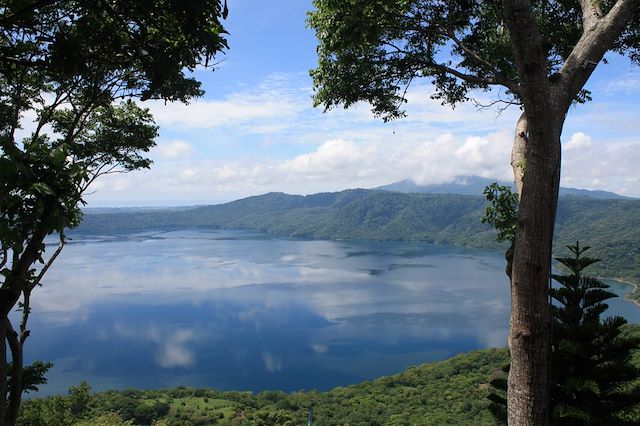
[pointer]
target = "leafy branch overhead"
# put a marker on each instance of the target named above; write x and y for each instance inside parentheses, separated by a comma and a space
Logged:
(372, 50)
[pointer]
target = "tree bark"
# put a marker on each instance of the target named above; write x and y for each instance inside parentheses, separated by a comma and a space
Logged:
(519, 152)
(546, 105)
(13, 286)
(529, 333)
(17, 361)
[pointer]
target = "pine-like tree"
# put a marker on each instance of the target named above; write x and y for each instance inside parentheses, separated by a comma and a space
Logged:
(592, 380)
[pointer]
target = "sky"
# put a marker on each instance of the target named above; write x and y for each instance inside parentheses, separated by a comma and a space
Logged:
(256, 130)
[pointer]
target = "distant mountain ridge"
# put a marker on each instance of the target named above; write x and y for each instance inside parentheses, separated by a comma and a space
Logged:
(474, 185)
(610, 226)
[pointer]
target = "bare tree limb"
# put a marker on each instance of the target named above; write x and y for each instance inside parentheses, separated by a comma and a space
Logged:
(47, 265)
(26, 310)
(490, 81)
(474, 55)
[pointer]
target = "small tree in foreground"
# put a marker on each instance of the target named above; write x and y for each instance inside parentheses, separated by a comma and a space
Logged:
(592, 381)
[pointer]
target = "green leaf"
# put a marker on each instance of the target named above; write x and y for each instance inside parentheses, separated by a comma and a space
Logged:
(42, 188)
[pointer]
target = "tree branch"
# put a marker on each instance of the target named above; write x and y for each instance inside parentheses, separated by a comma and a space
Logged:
(591, 13)
(469, 78)
(26, 310)
(15, 282)
(47, 265)
(529, 54)
(472, 53)
(590, 50)
(4, 253)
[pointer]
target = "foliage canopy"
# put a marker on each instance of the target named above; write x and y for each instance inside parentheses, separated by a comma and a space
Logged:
(373, 50)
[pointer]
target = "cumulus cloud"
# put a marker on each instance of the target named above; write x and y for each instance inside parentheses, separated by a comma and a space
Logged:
(328, 161)
(449, 156)
(265, 108)
(268, 137)
(612, 166)
(578, 140)
(337, 164)
(173, 149)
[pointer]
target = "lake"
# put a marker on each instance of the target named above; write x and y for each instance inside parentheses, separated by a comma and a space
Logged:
(245, 311)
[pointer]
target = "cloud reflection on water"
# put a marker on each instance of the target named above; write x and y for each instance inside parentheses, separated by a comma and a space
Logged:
(252, 313)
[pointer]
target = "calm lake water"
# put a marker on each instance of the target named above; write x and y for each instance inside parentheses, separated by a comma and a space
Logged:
(240, 310)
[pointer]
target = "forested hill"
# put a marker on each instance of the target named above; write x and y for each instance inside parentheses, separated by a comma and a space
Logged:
(611, 227)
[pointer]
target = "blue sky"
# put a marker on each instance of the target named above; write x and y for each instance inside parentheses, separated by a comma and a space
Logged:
(256, 131)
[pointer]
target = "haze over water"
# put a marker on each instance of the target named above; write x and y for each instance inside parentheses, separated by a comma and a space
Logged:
(244, 311)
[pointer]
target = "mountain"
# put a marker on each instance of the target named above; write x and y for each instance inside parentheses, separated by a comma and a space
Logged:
(474, 185)
(601, 195)
(463, 185)
(610, 226)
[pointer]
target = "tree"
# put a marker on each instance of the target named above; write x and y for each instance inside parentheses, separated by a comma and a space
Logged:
(78, 66)
(592, 380)
(541, 53)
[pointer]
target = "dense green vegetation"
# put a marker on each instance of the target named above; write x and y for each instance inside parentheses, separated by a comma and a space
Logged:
(611, 227)
(450, 392)
(446, 392)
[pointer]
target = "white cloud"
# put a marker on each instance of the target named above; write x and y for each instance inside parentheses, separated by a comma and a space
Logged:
(209, 114)
(578, 140)
(269, 138)
(266, 108)
(612, 166)
(334, 165)
(120, 184)
(173, 149)
(629, 82)
(333, 156)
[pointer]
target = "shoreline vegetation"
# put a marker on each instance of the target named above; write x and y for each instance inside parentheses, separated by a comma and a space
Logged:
(634, 295)
(450, 391)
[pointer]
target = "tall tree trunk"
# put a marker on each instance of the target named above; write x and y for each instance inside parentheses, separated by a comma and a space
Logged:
(17, 361)
(529, 333)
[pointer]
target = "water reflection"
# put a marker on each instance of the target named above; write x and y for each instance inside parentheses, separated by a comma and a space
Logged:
(236, 310)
